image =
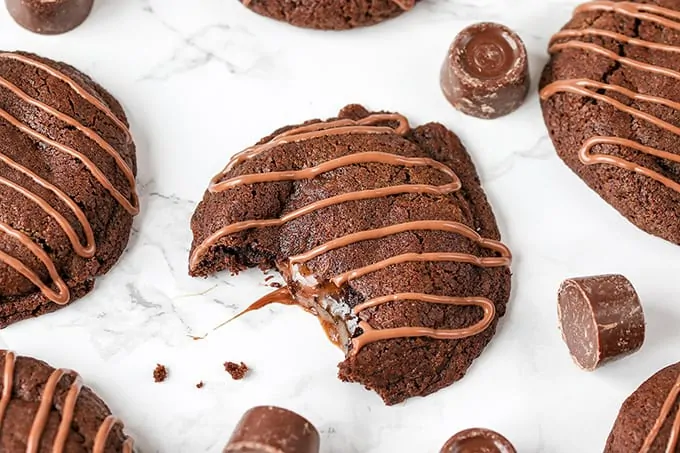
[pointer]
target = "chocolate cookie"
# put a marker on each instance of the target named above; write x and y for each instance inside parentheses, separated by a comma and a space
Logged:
(381, 230)
(330, 14)
(649, 420)
(611, 102)
(43, 409)
(67, 184)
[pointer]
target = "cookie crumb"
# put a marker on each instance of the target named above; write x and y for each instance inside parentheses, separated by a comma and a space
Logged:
(237, 371)
(160, 374)
(276, 285)
(200, 385)
(268, 278)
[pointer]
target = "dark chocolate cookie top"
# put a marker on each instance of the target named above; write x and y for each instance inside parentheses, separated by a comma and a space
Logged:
(330, 14)
(43, 409)
(381, 230)
(649, 420)
(67, 184)
(611, 98)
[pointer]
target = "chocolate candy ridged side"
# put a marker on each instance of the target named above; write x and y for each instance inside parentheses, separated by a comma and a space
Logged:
(49, 17)
(601, 319)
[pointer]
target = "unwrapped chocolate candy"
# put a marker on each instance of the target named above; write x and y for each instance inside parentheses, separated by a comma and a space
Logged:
(601, 319)
(486, 72)
(269, 429)
(478, 440)
(49, 17)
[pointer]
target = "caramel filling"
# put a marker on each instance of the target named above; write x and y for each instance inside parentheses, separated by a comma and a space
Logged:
(324, 300)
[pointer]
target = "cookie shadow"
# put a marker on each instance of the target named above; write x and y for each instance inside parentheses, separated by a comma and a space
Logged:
(146, 172)
(662, 327)
(537, 62)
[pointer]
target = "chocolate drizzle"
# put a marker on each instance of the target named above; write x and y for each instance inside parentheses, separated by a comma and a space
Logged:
(295, 265)
(314, 130)
(45, 407)
(87, 250)
(406, 5)
(592, 89)
(674, 435)
(370, 334)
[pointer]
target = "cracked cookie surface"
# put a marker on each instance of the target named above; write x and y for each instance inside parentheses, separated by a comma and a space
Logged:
(611, 103)
(67, 189)
(330, 14)
(327, 179)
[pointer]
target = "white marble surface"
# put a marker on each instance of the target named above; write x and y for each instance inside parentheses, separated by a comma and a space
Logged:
(203, 79)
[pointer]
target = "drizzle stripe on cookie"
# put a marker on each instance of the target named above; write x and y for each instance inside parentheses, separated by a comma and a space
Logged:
(61, 296)
(40, 420)
(103, 435)
(346, 126)
(319, 129)
(668, 405)
(88, 249)
(67, 417)
(406, 5)
(82, 92)
(592, 89)
(123, 166)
